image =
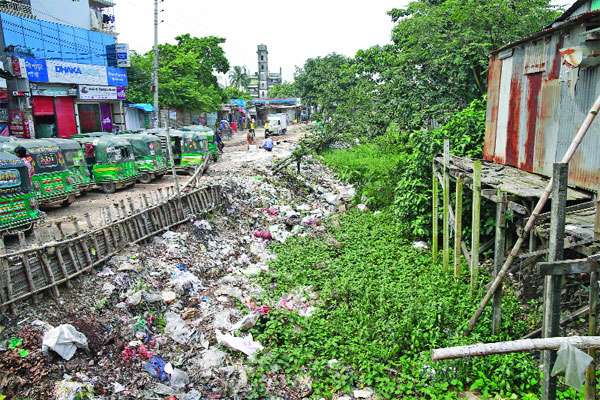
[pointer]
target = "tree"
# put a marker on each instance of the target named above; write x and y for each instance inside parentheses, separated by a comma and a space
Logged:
(187, 74)
(238, 78)
(285, 89)
(235, 93)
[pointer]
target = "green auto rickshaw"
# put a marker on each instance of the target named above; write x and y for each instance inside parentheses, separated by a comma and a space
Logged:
(110, 160)
(51, 181)
(75, 159)
(189, 148)
(18, 203)
(150, 160)
(213, 147)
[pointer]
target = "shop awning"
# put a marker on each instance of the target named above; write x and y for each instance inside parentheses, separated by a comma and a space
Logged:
(142, 106)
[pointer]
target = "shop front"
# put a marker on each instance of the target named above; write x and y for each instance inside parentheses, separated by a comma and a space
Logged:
(98, 108)
(53, 112)
(70, 98)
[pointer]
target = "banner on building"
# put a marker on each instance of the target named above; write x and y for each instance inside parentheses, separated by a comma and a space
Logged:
(65, 72)
(118, 55)
(87, 92)
(17, 124)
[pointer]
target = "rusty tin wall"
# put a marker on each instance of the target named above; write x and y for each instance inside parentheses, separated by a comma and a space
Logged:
(532, 118)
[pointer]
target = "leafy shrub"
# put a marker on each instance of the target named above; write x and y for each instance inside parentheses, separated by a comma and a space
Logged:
(382, 307)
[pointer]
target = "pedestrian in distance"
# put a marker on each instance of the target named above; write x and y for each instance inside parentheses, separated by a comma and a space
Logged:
(268, 144)
(21, 152)
(267, 131)
(219, 140)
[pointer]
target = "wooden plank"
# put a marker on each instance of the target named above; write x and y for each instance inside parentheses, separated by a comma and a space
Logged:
(567, 267)
(82, 243)
(96, 250)
(59, 256)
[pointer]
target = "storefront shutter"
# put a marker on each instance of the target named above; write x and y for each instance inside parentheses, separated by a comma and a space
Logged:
(65, 117)
(43, 105)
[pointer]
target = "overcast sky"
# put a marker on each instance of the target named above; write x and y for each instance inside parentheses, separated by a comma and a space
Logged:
(293, 31)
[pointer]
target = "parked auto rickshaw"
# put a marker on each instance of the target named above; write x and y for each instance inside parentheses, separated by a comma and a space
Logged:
(18, 203)
(150, 161)
(51, 181)
(189, 148)
(74, 157)
(213, 147)
(110, 160)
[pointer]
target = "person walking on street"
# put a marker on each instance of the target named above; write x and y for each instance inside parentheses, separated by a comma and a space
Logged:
(219, 140)
(21, 152)
(268, 144)
(267, 129)
(251, 133)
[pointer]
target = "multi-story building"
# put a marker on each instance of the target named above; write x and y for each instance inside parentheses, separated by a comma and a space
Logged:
(262, 81)
(65, 66)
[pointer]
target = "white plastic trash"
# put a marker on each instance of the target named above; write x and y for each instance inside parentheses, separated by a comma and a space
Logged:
(64, 340)
(253, 147)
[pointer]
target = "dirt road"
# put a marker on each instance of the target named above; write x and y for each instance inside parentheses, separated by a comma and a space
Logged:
(236, 153)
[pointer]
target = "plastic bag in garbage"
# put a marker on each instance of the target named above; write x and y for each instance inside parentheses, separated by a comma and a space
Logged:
(156, 368)
(176, 328)
(185, 281)
(64, 340)
(179, 379)
(69, 390)
(573, 363)
(246, 345)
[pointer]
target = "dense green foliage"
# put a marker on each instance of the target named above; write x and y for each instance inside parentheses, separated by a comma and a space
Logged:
(283, 90)
(235, 93)
(436, 65)
(382, 306)
(187, 74)
(395, 169)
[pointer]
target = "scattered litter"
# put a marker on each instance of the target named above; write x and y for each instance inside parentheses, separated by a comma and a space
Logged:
(246, 323)
(64, 340)
(362, 394)
(572, 363)
(179, 379)
(246, 345)
(168, 296)
(420, 245)
(69, 390)
(263, 234)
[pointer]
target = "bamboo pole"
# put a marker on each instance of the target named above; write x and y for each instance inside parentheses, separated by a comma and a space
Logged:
(27, 266)
(43, 260)
(59, 256)
(516, 346)
(458, 224)
(536, 212)
(446, 188)
(434, 216)
(475, 226)
(96, 249)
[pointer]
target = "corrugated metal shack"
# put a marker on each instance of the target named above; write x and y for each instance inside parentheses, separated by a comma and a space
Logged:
(540, 90)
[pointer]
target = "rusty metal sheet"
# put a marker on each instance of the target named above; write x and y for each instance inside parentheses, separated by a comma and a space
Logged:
(503, 110)
(492, 107)
(514, 109)
(535, 56)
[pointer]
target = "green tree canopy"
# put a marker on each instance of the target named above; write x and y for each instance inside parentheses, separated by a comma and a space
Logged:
(235, 93)
(238, 78)
(187, 74)
(285, 89)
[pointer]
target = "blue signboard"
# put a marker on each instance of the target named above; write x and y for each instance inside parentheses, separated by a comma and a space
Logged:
(116, 76)
(37, 70)
(238, 102)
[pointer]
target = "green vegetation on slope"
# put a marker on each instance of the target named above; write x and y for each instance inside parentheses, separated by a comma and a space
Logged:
(382, 307)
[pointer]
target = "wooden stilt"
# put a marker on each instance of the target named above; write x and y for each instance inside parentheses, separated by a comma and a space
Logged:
(104, 229)
(7, 277)
(96, 249)
(436, 230)
(458, 224)
(446, 188)
(475, 226)
(27, 265)
(61, 262)
(500, 245)
(83, 244)
(590, 375)
(553, 284)
(43, 260)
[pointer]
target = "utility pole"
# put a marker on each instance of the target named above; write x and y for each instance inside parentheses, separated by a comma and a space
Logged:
(155, 75)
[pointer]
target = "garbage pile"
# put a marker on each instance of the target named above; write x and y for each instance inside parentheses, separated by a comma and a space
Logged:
(172, 318)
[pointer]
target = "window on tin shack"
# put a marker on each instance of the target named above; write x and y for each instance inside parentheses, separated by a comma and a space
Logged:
(535, 56)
